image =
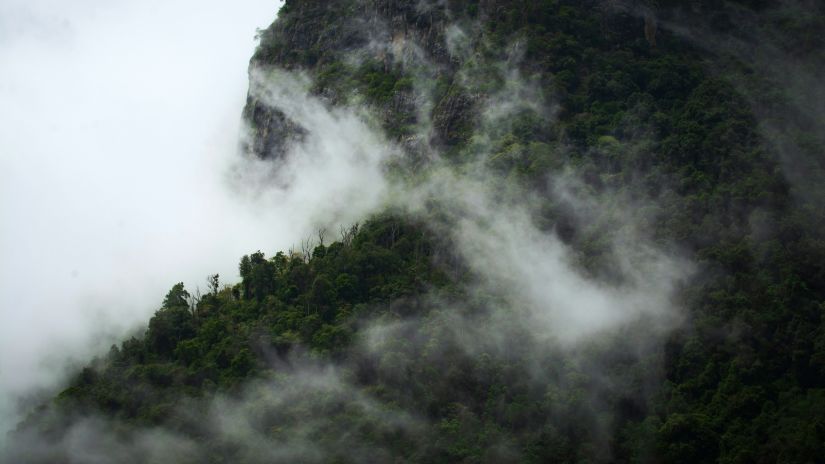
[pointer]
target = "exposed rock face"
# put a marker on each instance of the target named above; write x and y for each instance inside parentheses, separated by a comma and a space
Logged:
(396, 34)
(272, 133)
(312, 35)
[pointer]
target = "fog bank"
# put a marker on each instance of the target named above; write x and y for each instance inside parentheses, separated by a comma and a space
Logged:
(119, 121)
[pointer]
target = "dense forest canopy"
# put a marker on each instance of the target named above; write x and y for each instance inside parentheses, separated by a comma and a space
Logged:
(598, 240)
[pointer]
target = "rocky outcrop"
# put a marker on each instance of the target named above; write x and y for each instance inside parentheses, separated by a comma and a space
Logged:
(396, 34)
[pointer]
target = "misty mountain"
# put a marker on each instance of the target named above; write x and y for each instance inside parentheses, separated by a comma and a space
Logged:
(536, 231)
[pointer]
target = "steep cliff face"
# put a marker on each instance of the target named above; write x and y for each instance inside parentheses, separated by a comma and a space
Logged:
(365, 48)
(330, 40)
(365, 43)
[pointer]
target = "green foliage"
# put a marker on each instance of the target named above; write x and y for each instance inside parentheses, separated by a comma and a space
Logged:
(299, 300)
(379, 83)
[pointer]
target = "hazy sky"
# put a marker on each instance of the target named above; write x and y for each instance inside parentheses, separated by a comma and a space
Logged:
(118, 123)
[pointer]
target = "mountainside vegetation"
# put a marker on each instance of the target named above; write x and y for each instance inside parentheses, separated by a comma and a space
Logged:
(389, 342)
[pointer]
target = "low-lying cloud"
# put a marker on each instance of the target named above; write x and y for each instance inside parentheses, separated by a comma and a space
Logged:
(118, 122)
(526, 282)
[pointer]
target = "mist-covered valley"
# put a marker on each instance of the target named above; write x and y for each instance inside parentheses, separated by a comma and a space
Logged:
(496, 231)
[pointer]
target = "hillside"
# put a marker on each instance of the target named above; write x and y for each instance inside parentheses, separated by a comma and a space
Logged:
(598, 239)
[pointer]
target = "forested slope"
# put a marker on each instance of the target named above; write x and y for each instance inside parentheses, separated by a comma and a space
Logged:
(648, 149)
